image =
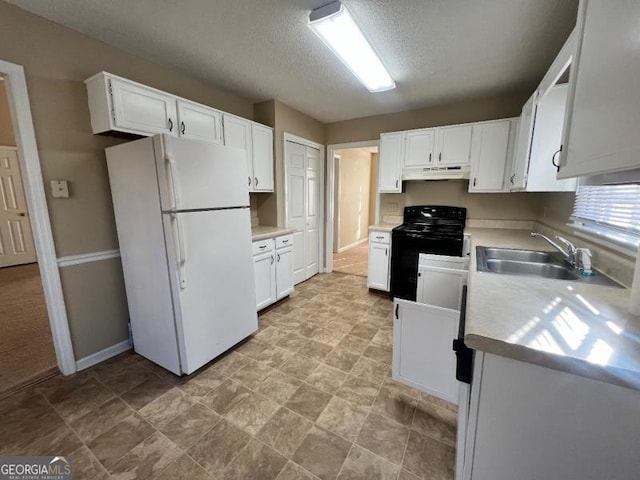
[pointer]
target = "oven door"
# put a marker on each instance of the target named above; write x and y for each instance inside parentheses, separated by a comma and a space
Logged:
(405, 250)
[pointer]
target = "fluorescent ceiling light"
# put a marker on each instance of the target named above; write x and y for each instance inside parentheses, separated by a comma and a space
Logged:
(337, 29)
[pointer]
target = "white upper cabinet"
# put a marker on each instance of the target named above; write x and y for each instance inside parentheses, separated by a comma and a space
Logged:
(604, 106)
(418, 150)
(262, 152)
(137, 109)
(198, 122)
(237, 134)
(518, 177)
(453, 145)
(390, 162)
(491, 150)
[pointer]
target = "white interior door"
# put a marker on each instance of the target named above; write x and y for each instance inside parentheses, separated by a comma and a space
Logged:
(303, 208)
(313, 211)
(16, 239)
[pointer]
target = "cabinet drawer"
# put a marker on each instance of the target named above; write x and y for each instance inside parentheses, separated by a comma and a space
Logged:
(263, 246)
(284, 241)
(380, 237)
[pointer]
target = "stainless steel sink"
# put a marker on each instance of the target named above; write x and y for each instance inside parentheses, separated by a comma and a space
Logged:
(547, 270)
(533, 263)
(518, 255)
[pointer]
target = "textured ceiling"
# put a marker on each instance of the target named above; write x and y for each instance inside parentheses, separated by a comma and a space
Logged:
(438, 51)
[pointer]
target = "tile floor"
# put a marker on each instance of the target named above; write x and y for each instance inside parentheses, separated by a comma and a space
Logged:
(308, 397)
(354, 261)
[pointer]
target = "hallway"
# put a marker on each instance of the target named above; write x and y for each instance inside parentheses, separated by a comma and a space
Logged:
(354, 261)
(26, 346)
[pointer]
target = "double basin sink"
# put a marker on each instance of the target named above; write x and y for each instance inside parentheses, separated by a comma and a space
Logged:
(533, 263)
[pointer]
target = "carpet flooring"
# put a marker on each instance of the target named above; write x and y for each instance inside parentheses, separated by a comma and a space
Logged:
(26, 346)
(354, 261)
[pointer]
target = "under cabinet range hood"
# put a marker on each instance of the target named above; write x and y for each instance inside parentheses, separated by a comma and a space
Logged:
(436, 173)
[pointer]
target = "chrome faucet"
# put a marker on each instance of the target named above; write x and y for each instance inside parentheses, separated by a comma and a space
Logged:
(569, 254)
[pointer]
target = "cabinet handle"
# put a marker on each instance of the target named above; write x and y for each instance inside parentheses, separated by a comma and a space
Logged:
(249, 180)
(379, 238)
(511, 179)
(272, 260)
(419, 274)
(386, 252)
(263, 247)
(397, 307)
(182, 127)
(429, 157)
(256, 180)
(553, 159)
(170, 125)
(396, 183)
(278, 257)
(440, 157)
(285, 241)
(474, 181)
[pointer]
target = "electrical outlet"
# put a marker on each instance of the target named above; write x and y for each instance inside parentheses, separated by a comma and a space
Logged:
(59, 189)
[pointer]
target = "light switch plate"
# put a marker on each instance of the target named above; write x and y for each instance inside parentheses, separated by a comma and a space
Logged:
(59, 189)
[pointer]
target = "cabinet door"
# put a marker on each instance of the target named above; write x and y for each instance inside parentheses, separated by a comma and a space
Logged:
(198, 122)
(378, 275)
(440, 287)
(418, 150)
(390, 162)
(489, 155)
(142, 110)
(605, 110)
(453, 145)
(284, 272)
(262, 150)
(265, 276)
(423, 356)
(237, 134)
(546, 141)
(520, 168)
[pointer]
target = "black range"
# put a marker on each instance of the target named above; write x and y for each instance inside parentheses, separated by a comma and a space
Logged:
(431, 229)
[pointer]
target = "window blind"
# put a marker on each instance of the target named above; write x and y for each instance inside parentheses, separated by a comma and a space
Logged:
(610, 211)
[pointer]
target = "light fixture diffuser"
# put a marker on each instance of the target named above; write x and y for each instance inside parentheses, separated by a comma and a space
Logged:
(337, 29)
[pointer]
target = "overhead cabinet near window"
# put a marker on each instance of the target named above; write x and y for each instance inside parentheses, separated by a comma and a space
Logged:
(604, 105)
(491, 150)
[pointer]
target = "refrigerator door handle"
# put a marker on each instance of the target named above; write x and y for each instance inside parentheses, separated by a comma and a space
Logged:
(182, 254)
(175, 195)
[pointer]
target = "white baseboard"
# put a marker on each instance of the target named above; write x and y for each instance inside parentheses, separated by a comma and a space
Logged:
(354, 244)
(103, 355)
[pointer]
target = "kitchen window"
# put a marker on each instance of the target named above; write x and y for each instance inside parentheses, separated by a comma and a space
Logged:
(609, 214)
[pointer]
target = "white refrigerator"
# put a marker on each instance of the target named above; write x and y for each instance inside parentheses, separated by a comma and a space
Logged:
(184, 228)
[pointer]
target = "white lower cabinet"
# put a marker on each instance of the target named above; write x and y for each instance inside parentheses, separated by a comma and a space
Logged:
(531, 422)
(273, 269)
(423, 355)
(379, 258)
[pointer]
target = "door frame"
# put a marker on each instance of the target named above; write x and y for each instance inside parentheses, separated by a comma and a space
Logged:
(331, 194)
(289, 137)
(33, 182)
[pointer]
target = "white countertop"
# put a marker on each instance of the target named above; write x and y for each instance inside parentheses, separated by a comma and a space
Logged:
(382, 227)
(262, 232)
(570, 326)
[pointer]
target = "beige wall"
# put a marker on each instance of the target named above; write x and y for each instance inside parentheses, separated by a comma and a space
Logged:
(283, 119)
(373, 188)
(56, 61)
(493, 206)
(354, 180)
(6, 128)
(370, 128)
(557, 207)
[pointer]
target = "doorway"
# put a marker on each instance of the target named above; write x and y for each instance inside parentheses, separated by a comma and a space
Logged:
(355, 174)
(352, 205)
(27, 351)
